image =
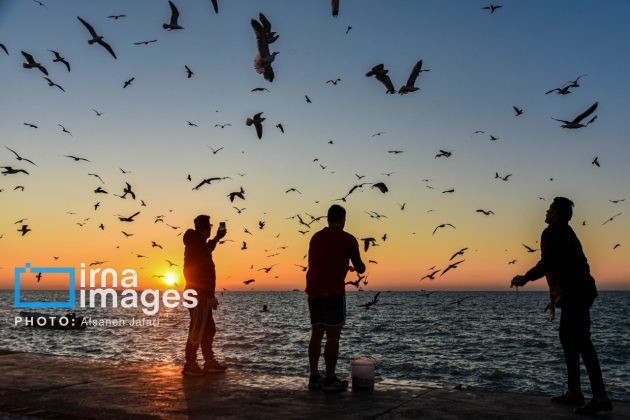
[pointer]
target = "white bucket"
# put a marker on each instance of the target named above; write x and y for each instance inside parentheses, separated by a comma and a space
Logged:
(363, 373)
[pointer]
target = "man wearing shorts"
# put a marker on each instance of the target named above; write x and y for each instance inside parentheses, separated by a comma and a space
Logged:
(330, 251)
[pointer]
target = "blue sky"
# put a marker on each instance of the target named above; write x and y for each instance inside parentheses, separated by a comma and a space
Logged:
(481, 65)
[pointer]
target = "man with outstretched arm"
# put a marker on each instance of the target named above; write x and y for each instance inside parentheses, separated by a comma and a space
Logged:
(572, 289)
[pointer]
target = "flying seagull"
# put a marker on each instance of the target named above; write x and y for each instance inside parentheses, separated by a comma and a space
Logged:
(519, 111)
(96, 38)
(145, 42)
(18, 157)
(442, 226)
(492, 8)
(189, 72)
(264, 37)
(8, 170)
(577, 121)
(257, 121)
(174, 16)
(32, 64)
(4, 49)
(116, 17)
(59, 59)
(409, 86)
(51, 83)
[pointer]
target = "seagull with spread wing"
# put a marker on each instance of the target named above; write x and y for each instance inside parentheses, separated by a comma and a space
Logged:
(97, 38)
(577, 121)
(410, 85)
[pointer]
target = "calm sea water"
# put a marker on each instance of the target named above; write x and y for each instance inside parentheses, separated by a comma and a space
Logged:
(492, 340)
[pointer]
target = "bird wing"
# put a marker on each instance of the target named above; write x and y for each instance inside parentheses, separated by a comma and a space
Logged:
(215, 6)
(586, 113)
(174, 13)
(414, 74)
(88, 27)
(265, 23)
(4, 48)
(261, 39)
(384, 79)
(269, 74)
(107, 47)
(259, 129)
(28, 57)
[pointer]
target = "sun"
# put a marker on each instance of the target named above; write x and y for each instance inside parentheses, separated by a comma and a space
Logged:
(170, 278)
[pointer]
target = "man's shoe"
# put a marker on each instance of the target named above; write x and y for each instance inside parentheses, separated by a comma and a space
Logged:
(594, 406)
(334, 384)
(212, 366)
(315, 382)
(568, 399)
(192, 369)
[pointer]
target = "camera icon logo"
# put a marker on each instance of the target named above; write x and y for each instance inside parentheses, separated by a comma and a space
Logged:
(17, 303)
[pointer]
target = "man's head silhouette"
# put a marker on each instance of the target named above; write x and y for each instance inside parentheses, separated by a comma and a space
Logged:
(560, 210)
(336, 216)
(202, 225)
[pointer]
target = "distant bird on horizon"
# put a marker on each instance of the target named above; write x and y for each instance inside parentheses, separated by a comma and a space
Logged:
(173, 24)
(128, 82)
(451, 267)
(367, 242)
(18, 157)
(24, 230)
(257, 121)
(411, 81)
(4, 49)
(189, 72)
(380, 73)
(616, 246)
(51, 84)
(519, 111)
(492, 8)
(443, 153)
(76, 159)
(485, 212)
(577, 121)
(223, 125)
(238, 194)
(595, 162)
(574, 83)
(30, 125)
(59, 59)
(9, 170)
(561, 91)
(280, 127)
(333, 81)
(529, 249)
(98, 114)
(460, 252)
(348, 29)
(443, 225)
(128, 218)
(610, 219)
(308, 100)
(209, 181)
(617, 201)
(145, 42)
(32, 64)
(247, 282)
(97, 38)
(503, 178)
(430, 276)
(116, 17)
(371, 303)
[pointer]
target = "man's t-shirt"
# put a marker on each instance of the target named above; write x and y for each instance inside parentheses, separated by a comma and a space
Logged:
(198, 265)
(329, 255)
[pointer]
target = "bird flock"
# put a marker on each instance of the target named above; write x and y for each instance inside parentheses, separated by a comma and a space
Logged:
(97, 31)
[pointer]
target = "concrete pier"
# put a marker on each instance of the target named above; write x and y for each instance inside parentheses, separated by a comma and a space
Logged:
(48, 386)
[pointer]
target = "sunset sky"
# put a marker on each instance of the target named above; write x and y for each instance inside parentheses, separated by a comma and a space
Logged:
(481, 65)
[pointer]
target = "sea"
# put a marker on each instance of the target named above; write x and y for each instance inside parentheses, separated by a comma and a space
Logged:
(490, 340)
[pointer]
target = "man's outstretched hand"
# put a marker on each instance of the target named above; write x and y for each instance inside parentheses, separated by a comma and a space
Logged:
(518, 281)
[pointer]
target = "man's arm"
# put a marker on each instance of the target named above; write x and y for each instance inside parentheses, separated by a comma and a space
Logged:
(355, 257)
(212, 243)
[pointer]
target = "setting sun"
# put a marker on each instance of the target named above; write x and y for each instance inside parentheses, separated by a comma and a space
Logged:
(170, 278)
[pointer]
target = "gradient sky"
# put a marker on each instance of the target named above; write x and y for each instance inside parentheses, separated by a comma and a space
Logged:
(481, 65)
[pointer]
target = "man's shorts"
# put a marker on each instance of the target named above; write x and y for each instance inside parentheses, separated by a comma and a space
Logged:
(329, 311)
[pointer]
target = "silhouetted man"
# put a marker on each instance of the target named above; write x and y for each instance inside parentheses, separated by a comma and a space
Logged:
(329, 253)
(572, 289)
(200, 275)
